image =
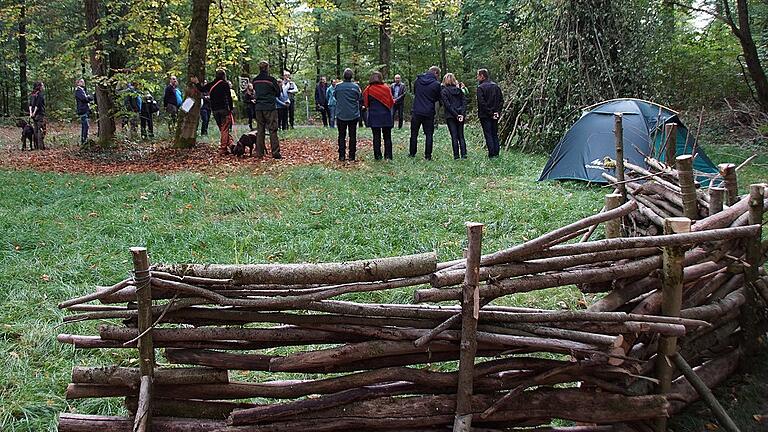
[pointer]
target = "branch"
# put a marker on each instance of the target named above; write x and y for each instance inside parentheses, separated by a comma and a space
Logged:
(724, 18)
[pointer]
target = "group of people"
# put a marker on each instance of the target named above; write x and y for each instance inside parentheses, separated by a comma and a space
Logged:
(342, 104)
(380, 104)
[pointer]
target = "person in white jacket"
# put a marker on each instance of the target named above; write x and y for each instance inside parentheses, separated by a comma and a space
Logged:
(290, 87)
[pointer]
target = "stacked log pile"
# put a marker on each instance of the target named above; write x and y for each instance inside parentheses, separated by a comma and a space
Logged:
(393, 366)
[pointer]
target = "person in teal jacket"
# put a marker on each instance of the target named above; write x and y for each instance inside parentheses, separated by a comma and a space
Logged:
(331, 103)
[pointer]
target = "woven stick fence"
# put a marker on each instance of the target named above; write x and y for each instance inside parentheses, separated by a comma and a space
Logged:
(674, 290)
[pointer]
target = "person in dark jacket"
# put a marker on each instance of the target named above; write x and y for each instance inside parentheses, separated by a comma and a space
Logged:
(37, 114)
(172, 102)
(83, 109)
(378, 102)
(489, 104)
(321, 99)
(426, 91)
(348, 97)
(132, 101)
(205, 111)
(148, 109)
(250, 104)
(266, 92)
(454, 103)
(221, 106)
(398, 94)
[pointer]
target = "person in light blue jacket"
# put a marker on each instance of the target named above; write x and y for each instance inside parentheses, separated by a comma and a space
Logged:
(283, 103)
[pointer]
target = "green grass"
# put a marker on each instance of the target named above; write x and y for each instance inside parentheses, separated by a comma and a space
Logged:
(64, 234)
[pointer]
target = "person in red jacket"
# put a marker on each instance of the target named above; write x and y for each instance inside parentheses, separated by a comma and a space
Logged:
(378, 102)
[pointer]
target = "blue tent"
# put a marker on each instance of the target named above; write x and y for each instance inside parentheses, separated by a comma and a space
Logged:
(581, 154)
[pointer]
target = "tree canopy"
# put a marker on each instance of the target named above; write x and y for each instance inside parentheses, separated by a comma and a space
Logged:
(550, 56)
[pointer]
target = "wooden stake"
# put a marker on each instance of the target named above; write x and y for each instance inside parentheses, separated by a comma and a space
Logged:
(143, 419)
(672, 298)
(728, 172)
(613, 226)
(670, 133)
(717, 409)
(144, 300)
(144, 410)
(752, 316)
(470, 312)
(618, 131)
(685, 174)
(716, 195)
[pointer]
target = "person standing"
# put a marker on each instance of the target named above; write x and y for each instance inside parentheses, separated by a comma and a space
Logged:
(172, 102)
(283, 102)
(132, 102)
(83, 109)
(378, 102)
(148, 109)
(398, 94)
(321, 100)
(205, 111)
(331, 103)
(489, 104)
(426, 92)
(267, 93)
(290, 87)
(221, 106)
(250, 104)
(348, 97)
(37, 114)
(455, 106)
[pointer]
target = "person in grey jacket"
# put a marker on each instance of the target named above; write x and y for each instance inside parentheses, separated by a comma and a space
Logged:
(348, 96)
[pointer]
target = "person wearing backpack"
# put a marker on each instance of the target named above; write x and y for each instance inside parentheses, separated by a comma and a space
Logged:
(148, 109)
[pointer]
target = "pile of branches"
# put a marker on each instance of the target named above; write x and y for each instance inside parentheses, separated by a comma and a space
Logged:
(391, 366)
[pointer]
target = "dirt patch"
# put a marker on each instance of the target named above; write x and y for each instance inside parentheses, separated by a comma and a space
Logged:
(157, 156)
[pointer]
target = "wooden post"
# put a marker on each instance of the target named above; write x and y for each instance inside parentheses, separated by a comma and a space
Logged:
(670, 133)
(672, 298)
(701, 388)
(618, 131)
(728, 172)
(613, 227)
(752, 316)
(470, 311)
(687, 186)
(716, 195)
(143, 419)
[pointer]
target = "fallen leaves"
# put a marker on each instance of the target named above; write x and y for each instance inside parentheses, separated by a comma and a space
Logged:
(128, 158)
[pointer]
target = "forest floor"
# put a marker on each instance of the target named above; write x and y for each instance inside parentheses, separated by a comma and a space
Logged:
(68, 217)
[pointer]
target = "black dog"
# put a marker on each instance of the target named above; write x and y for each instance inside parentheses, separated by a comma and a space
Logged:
(27, 134)
(246, 140)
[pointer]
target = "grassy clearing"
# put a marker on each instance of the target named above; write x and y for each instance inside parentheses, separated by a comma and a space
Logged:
(63, 234)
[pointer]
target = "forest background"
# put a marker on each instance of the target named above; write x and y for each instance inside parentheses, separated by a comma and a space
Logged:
(552, 57)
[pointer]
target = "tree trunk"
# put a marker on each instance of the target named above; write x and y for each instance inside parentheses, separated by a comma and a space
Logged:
(385, 36)
(338, 56)
(751, 56)
(104, 96)
(186, 133)
(317, 56)
(23, 86)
